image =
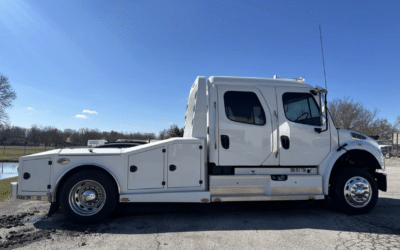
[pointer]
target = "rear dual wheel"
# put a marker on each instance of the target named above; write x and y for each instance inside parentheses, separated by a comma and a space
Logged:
(354, 191)
(88, 196)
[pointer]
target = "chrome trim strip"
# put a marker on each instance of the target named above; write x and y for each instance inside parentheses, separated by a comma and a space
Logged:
(237, 190)
(277, 134)
(215, 125)
(223, 198)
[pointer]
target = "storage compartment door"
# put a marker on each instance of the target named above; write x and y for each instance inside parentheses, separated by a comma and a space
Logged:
(184, 165)
(35, 175)
(146, 169)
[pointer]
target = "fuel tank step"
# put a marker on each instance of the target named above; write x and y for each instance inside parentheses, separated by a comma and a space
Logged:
(265, 185)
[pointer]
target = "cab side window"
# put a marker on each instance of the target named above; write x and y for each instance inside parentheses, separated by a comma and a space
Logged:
(301, 108)
(244, 107)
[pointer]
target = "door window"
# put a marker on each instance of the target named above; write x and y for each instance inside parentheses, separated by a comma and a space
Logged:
(301, 108)
(244, 107)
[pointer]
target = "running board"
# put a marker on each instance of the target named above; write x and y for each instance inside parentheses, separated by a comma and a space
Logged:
(226, 198)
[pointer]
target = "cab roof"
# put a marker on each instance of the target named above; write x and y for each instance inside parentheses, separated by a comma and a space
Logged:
(276, 81)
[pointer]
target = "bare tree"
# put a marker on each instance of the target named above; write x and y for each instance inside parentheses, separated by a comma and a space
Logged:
(4, 132)
(67, 135)
(345, 112)
(354, 116)
(396, 124)
(7, 96)
(383, 128)
(113, 136)
(365, 120)
(16, 135)
(50, 135)
(162, 134)
(68, 132)
(34, 134)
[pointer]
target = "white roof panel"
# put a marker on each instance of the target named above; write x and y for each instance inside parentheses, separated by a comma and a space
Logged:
(232, 80)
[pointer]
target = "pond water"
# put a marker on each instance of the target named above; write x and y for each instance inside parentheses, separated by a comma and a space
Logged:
(8, 169)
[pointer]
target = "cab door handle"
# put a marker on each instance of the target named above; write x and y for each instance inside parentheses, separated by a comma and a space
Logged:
(225, 141)
(285, 142)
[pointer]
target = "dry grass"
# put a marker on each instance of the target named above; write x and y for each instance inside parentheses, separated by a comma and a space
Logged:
(5, 188)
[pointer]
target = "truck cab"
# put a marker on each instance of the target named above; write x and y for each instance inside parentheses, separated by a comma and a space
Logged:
(245, 139)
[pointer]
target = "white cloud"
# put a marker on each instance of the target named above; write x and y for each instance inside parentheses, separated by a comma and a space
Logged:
(89, 111)
(29, 108)
(81, 116)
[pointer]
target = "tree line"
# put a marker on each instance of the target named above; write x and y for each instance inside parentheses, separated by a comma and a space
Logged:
(51, 136)
(351, 115)
(346, 113)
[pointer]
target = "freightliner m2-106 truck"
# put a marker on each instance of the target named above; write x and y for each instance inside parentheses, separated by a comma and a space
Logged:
(245, 139)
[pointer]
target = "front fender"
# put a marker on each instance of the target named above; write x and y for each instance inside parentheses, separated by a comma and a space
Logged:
(325, 168)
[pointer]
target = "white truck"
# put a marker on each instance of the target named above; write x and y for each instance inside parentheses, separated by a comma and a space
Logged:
(245, 139)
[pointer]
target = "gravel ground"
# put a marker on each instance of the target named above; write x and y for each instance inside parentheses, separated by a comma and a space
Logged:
(239, 225)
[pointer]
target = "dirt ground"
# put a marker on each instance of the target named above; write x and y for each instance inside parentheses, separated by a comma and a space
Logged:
(239, 225)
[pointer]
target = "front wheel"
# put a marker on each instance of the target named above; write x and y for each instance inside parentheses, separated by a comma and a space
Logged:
(354, 191)
(88, 196)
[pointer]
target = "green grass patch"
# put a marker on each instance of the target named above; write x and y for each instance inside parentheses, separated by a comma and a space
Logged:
(5, 188)
(13, 154)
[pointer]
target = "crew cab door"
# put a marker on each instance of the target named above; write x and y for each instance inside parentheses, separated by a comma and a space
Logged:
(299, 115)
(244, 126)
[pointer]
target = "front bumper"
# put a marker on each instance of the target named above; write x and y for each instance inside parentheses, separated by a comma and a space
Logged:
(14, 186)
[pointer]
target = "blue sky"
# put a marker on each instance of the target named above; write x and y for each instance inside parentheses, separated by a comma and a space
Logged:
(130, 64)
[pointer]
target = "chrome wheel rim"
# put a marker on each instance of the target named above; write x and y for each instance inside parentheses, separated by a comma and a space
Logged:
(357, 192)
(87, 197)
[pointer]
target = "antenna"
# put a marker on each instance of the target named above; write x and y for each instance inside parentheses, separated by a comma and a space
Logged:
(323, 61)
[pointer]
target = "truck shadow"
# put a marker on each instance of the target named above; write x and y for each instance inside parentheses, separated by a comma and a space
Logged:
(150, 218)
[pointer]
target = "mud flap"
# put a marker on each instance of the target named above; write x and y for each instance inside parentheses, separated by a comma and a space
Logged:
(381, 181)
(54, 207)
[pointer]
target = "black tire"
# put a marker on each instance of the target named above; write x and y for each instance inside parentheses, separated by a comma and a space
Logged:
(359, 180)
(74, 203)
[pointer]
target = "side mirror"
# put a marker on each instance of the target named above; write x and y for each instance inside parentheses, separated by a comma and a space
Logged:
(323, 119)
(322, 96)
(324, 112)
(323, 108)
